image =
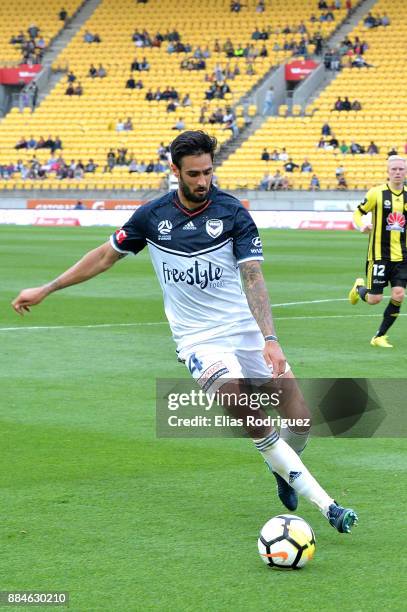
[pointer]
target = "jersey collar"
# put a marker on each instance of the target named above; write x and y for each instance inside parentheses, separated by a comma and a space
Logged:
(187, 211)
(395, 192)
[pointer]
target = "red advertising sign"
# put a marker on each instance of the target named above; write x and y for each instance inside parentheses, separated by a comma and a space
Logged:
(14, 76)
(57, 221)
(299, 69)
(56, 204)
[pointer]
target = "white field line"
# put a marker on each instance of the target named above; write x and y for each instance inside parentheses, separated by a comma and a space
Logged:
(149, 324)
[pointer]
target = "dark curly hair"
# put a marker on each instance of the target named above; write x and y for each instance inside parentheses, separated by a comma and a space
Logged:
(192, 142)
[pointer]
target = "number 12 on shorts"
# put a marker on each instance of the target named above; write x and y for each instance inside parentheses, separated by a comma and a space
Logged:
(378, 269)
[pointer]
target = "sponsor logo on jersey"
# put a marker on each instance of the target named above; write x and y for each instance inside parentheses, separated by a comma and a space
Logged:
(257, 250)
(189, 226)
(396, 222)
(387, 204)
(214, 227)
(120, 236)
(164, 230)
(197, 274)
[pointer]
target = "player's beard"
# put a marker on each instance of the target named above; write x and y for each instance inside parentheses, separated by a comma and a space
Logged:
(196, 198)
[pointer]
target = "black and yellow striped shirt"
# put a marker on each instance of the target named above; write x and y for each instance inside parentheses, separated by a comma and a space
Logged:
(389, 210)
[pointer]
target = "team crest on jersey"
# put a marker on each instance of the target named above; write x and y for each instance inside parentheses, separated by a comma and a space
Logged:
(396, 222)
(387, 204)
(120, 236)
(164, 229)
(214, 227)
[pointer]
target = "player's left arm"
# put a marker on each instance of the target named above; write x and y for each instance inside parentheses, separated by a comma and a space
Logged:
(259, 304)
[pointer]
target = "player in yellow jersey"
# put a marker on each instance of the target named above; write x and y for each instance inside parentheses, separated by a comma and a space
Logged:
(387, 250)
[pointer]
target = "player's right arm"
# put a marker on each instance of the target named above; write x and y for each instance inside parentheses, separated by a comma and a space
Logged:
(94, 262)
(368, 204)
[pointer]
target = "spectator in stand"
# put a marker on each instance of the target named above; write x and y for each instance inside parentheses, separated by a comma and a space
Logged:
(40, 143)
(70, 90)
(359, 62)
(160, 167)
(235, 6)
(186, 100)
(33, 91)
(265, 182)
(283, 156)
(344, 148)
(63, 15)
(78, 90)
(393, 151)
(120, 126)
(133, 165)
(370, 21)
(306, 166)
(339, 171)
(172, 106)
(92, 71)
(141, 167)
(179, 125)
(314, 183)
(356, 105)
(346, 105)
(150, 166)
(33, 31)
(268, 101)
(71, 78)
(130, 83)
(101, 72)
(19, 39)
(385, 20)
(355, 148)
(260, 7)
(276, 181)
(40, 43)
(326, 129)
(373, 149)
(338, 106)
(265, 156)
(290, 166)
(332, 143)
(321, 144)
(91, 166)
(128, 125)
(31, 143)
(22, 143)
(88, 37)
(342, 184)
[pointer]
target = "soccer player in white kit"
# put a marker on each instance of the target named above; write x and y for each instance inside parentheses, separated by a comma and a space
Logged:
(204, 246)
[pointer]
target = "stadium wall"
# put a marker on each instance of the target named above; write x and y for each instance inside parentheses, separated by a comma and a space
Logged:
(257, 200)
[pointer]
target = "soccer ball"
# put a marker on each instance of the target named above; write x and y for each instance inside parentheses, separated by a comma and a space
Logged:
(286, 542)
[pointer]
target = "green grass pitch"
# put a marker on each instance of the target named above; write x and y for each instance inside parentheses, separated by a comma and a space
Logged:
(92, 503)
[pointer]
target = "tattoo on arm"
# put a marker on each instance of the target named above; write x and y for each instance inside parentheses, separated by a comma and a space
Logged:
(257, 296)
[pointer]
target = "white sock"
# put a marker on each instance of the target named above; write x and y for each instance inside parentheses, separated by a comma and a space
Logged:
(288, 465)
(297, 441)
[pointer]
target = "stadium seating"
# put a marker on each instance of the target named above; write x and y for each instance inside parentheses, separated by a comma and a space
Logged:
(381, 90)
(86, 124)
(18, 15)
